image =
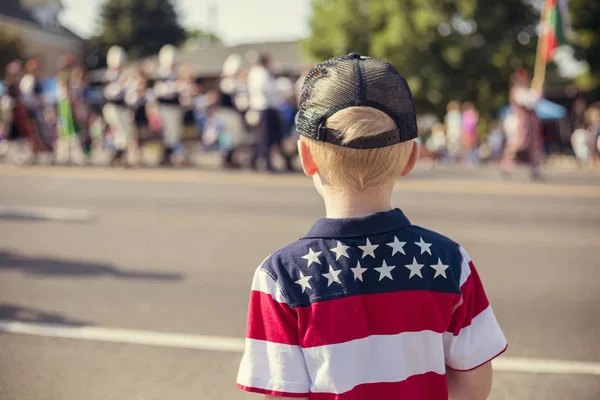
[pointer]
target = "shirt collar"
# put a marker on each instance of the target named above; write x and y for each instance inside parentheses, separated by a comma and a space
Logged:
(381, 222)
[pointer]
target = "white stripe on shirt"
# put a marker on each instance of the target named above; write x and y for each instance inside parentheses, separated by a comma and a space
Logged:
(333, 368)
(475, 344)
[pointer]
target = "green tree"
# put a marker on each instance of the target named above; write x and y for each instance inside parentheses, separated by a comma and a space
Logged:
(141, 27)
(11, 48)
(198, 36)
(585, 19)
(463, 49)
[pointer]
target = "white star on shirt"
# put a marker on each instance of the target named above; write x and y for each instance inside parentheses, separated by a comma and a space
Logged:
(340, 250)
(332, 276)
(385, 271)
(440, 269)
(303, 282)
(397, 246)
(415, 268)
(312, 256)
(368, 249)
(425, 247)
(358, 271)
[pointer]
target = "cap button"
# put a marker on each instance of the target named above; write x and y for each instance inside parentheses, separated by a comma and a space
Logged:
(354, 55)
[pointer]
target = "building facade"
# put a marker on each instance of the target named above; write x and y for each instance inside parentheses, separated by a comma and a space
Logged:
(36, 23)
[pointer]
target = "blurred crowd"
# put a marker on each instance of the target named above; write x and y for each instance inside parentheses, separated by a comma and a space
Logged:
(247, 117)
(516, 137)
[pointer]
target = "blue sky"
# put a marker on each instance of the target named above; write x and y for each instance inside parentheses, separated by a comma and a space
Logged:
(237, 21)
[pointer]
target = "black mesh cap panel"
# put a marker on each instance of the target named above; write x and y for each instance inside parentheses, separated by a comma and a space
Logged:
(349, 81)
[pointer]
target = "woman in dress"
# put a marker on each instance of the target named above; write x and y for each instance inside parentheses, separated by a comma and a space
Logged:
(524, 133)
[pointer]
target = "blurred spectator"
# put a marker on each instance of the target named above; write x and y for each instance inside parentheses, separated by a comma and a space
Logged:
(582, 144)
(224, 126)
(265, 99)
(31, 89)
(452, 122)
(437, 144)
(495, 141)
(469, 119)
(524, 140)
(138, 96)
(594, 118)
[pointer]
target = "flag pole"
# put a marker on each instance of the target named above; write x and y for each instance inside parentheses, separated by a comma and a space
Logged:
(539, 73)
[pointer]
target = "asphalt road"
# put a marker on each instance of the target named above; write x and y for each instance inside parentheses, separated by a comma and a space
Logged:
(174, 251)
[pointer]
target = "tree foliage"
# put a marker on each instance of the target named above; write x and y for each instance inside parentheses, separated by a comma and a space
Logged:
(11, 48)
(141, 27)
(462, 49)
(585, 19)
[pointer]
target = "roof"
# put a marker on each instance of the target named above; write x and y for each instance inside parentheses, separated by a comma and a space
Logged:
(14, 9)
(207, 62)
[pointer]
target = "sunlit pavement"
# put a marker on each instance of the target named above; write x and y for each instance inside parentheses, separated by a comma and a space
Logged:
(173, 252)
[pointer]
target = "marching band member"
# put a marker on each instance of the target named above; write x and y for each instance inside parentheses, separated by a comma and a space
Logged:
(116, 113)
(167, 91)
(138, 97)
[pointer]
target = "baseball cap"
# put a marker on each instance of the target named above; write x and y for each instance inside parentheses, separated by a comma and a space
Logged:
(355, 81)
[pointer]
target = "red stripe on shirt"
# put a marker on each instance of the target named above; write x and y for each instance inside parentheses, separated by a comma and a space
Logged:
(270, 320)
(430, 386)
(356, 317)
(474, 301)
(271, 392)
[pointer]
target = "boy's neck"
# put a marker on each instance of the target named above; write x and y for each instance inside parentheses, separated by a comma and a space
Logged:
(344, 204)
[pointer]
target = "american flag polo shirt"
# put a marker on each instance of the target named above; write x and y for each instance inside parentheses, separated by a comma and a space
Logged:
(366, 308)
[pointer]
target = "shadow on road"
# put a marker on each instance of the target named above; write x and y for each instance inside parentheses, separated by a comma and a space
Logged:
(78, 269)
(12, 312)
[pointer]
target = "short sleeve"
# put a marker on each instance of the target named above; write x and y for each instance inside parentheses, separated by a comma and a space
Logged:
(474, 336)
(273, 362)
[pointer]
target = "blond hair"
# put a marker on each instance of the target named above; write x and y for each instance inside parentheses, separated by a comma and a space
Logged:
(359, 169)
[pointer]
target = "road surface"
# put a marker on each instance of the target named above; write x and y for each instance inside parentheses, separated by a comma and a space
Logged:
(134, 284)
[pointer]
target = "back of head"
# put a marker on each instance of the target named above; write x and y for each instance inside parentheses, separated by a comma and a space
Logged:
(360, 169)
(358, 119)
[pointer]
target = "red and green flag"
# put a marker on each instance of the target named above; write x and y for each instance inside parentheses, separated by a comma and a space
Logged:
(557, 25)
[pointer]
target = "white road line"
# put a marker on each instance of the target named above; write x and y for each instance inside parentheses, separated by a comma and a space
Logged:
(236, 345)
(149, 338)
(46, 213)
(545, 366)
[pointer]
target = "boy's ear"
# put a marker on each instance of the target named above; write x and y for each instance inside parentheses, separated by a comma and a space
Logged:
(412, 160)
(308, 163)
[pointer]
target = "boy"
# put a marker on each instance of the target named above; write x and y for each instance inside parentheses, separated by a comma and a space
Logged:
(366, 305)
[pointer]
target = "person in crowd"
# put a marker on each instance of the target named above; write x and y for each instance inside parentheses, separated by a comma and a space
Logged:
(469, 119)
(117, 115)
(524, 137)
(452, 122)
(581, 142)
(265, 99)
(225, 126)
(167, 93)
(139, 95)
(436, 144)
(32, 94)
(495, 141)
(594, 121)
(189, 92)
(82, 114)
(68, 145)
(14, 125)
